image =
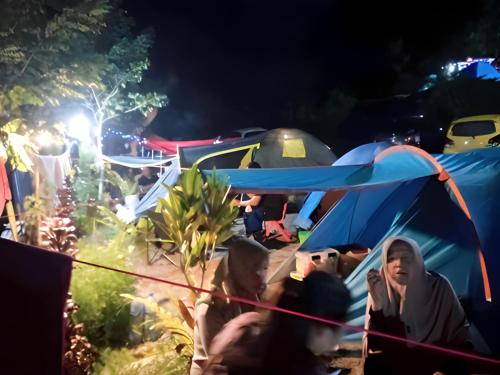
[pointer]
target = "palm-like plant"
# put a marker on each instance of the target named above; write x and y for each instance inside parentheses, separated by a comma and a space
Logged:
(197, 215)
(126, 186)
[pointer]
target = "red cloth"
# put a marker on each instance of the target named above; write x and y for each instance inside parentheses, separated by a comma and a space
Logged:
(170, 147)
(5, 194)
(33, 286)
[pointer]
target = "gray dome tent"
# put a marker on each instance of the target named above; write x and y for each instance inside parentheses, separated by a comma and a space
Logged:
(286, 148)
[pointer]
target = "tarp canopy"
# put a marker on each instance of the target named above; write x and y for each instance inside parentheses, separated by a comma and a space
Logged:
(282, 148)
(293, 180)
(170, 147)
(481, 70)
(169, 177)
(137, 162)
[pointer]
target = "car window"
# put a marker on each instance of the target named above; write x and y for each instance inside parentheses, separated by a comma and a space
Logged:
(473, 128)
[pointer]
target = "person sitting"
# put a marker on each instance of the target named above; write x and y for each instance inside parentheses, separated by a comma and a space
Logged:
(286, 344)
(407, 301)
(253, 216)
(146, 180)
(242, 272)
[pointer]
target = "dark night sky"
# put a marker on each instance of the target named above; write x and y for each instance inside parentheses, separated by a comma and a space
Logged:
(229, 64)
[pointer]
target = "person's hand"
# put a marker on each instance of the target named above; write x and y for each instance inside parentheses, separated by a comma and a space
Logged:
(235, 202)
(377, 289)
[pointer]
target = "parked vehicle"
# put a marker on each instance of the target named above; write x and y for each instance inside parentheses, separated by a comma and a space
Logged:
(468, 133)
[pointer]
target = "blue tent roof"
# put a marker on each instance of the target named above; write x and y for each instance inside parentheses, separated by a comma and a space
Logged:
(481, 70)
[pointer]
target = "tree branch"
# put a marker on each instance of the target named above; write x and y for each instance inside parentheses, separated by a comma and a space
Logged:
(25, 65)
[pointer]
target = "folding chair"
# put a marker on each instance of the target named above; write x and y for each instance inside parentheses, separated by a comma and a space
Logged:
(276, 228)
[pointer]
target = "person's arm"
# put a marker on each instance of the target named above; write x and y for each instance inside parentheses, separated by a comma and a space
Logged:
(145, 188)
(253, 201)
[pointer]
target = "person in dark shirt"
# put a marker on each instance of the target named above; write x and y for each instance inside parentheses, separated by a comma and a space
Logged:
(147, 180)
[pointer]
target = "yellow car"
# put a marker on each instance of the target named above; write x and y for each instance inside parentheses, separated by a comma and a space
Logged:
(468, 133)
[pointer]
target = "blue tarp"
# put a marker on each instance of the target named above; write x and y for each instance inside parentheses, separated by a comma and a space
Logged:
(292, 180)
(481, 70)
(169, 177)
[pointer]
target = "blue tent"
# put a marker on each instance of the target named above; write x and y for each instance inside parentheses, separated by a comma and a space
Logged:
(361, 155)
(480, 70)
(448, 204)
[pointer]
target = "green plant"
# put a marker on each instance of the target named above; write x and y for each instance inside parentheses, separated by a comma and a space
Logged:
(79, 354)
(169, 323)
(58, 234)
(98, 291)
(197, 215)
(152, 358)
(34, 211)
(125, 185)
(87, 177)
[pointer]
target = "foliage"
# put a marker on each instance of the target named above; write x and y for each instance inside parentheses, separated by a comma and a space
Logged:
(197, 215)
(56, 56)
(86, 180)
(484, 36)
(79, 354)
(34, 210)
(167, 322)
(58, 234)
(47, 53)
(125, 185)
(98, 291)
(152, 358)
(462, 97)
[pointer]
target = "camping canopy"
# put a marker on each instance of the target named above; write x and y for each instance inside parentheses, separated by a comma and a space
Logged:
(293, 180)
(281, 148)
(170, 147)
(136, 162)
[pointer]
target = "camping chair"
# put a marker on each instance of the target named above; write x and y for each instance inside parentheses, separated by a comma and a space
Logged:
(276, 228)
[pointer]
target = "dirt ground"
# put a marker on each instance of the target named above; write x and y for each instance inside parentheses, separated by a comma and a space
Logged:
(349, 354)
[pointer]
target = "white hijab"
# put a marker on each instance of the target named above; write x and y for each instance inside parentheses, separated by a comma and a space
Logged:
(427, 305)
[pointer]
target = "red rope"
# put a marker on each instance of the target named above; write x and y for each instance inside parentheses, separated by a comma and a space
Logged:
(268, 306)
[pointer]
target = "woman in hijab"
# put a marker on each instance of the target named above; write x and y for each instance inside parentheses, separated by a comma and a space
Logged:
(405, 300)
(242, 272)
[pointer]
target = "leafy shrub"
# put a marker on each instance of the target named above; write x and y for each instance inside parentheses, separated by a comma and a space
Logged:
(87, 179)
(152, 358)
(97, 291)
